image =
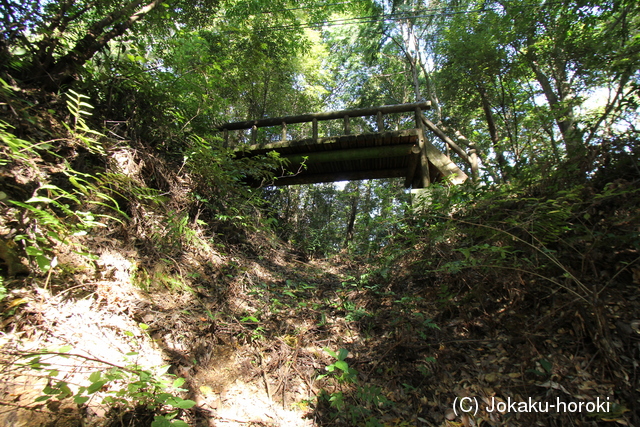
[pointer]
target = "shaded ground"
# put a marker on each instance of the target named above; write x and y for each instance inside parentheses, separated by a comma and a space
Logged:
(255, 354)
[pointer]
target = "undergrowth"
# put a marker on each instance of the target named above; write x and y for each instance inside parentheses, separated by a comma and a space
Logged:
(55, 219)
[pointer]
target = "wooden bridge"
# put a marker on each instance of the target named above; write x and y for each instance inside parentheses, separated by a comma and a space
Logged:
(383, 154)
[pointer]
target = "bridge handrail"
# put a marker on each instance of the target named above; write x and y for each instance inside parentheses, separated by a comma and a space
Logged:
(331, 115)
(417, 107)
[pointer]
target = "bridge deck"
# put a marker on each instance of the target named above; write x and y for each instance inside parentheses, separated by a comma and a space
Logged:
(387, 154)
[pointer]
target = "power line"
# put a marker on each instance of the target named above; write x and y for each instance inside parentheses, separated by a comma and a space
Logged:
(389, 17)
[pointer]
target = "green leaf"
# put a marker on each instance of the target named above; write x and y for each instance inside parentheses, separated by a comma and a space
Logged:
(331, 352)
(178, 382)
(33, 251)
(96, 386)
(342, 365)
(185, 404)
(65, 349)
(49, 390)
(167, 398)
(43, 262)
(65, 391)
(39, 199)
(160, 421)
(79, 400)
(95, 376)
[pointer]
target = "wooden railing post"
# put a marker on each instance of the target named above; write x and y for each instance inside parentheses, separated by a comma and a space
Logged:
(225, 136)
(347, 125)
(284, 131)
(254, 134)
(380, 121)
(314, 129)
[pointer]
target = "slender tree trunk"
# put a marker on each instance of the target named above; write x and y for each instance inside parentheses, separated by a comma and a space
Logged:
(560, 100)
(353, 213)
(433, 94)
(493, 130)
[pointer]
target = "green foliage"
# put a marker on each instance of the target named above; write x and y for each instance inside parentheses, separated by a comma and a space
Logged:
(177, 233)
(54, 214)
(3, 289)
(125, 388)
(46, 44)
(14, 148)
(256, 330)
(356, 407)
(221, 185)
(160, 276)
(340, 368)
(79, 127)
(321, 220)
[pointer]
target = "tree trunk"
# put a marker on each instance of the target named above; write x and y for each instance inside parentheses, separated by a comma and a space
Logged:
(353, 213)
(64, 70)
(493, 130)
(560, 100)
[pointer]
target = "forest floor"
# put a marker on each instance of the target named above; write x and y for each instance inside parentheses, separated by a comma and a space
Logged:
(280, 342)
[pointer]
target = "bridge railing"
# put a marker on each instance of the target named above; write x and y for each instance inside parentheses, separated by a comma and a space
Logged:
(344, 115)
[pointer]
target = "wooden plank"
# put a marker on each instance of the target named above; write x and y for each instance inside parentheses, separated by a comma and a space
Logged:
(455, 147)
(352, 154)
(446, 167)
(396, 137)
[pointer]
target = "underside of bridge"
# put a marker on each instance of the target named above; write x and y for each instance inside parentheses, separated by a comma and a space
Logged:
(384, 154)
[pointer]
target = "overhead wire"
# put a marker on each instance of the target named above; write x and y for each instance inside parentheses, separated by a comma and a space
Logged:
(383, 17)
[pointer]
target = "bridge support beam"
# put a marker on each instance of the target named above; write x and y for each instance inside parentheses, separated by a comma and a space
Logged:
(424, 177)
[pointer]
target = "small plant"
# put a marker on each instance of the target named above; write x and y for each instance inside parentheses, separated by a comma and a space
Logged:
(56, 213)
(177, 232)
(445, 295)
(3, 289)
(340, 368)
(357, 406)
(79, 128)
(123, 388)
(257, 333)
(354, 313)
(547, 368)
